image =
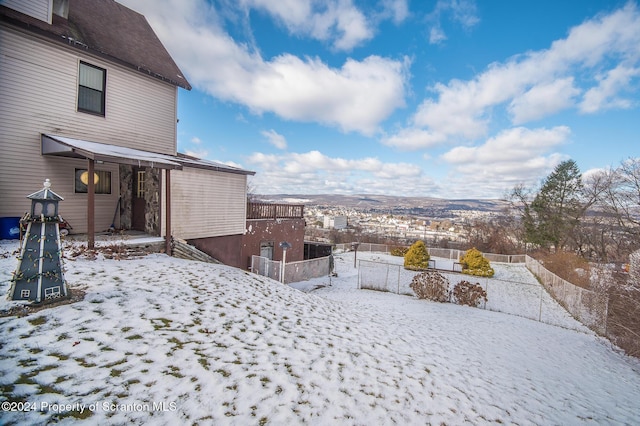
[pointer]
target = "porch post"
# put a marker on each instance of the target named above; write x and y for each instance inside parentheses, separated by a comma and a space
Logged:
(168, 212)
(91, 218)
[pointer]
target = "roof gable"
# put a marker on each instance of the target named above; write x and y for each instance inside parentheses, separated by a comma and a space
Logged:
(110, 30)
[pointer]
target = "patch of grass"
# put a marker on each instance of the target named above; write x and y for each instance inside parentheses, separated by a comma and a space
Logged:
(35, 350)
(178, 344)
(38, 321)
(159, 323)
(223, 372)
(115, 372)
(46, 389)
(114, 363)
(174, 371)
(125, 329)
(204, 363)
(63, 336)
(29, 362)
(134, 337)
(61, 379)
(75, 414)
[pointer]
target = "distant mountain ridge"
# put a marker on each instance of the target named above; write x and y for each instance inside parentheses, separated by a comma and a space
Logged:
(385, 202)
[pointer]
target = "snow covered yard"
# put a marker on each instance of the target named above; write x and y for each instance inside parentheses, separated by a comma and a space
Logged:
(159, 340)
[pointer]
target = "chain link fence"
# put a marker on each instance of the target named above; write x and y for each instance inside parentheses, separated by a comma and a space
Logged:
(443, 253)
(528, 300)
(293, 271)
(265, 267)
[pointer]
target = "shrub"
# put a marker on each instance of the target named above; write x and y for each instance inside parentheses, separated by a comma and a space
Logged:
(399, 251)
(465, 293)
(431, 285)
(417, 257)
(474, 263)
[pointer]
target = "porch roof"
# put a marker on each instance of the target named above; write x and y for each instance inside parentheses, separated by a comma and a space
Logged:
(63, 146)
(76, 148)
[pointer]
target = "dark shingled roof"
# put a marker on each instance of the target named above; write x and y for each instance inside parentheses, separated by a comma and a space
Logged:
(110, 30)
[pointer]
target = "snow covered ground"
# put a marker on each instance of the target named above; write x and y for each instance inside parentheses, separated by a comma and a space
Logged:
(159, 340)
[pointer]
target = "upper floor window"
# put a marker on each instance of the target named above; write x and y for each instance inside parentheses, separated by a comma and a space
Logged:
(91, 88)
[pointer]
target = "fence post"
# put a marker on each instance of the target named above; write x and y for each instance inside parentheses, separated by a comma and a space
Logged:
(487, 291)
(540, 313)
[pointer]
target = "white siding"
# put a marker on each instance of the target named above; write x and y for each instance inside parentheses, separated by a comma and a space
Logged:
(205, 203)
(39, 9)
(38, 86)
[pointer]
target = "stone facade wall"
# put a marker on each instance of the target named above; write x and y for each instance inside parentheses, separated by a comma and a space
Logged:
(126, 194)
(152, 198)
(152, 201)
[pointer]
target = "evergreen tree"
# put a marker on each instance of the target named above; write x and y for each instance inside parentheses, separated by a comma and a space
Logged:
(557, 208)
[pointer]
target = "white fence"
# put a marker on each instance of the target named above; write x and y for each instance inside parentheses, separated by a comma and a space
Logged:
(293, 271)
(266, 267)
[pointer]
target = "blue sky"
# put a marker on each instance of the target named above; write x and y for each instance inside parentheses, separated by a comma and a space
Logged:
(441, 98)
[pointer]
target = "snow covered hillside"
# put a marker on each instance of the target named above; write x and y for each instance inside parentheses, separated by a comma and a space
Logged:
(158, 340)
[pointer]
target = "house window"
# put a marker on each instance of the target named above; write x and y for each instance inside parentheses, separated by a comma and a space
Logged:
(101, 179)
(91, 88)
(24, 294)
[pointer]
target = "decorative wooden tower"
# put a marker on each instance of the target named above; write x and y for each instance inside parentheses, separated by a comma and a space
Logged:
(39, 274)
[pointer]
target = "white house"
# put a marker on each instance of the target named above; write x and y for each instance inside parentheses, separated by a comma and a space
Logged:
(88, 90)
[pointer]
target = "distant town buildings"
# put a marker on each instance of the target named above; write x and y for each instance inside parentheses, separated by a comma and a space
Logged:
(335, 222)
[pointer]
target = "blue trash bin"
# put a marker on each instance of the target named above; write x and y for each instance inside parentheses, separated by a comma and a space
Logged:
(9, 228)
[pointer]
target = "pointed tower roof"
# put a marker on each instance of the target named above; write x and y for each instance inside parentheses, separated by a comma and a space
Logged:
(45, 193)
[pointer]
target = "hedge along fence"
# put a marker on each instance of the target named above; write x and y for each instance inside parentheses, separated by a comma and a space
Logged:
(437, 252)
(528, 300)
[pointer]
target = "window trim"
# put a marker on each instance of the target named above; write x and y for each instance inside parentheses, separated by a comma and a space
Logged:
(103, 99)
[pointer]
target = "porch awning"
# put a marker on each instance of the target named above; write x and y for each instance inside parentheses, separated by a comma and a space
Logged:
(76, 148)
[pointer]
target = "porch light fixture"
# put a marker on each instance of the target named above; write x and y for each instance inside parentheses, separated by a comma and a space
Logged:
(84, 177)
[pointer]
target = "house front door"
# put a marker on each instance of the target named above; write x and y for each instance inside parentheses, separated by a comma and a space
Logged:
(138, 205)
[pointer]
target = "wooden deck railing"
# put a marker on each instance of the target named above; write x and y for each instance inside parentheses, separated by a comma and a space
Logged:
(275, 211)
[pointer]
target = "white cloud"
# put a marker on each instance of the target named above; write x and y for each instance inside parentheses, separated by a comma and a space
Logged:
(196, 140)
(198, 154)
(436, 35)
(339, 22)
(354, 97)
(536, 84)
(517, 155)
(413, 139)
(463, 12)
(543, 100)
(314, 172)
(397, 10)
(605, 95)
(275, 138)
